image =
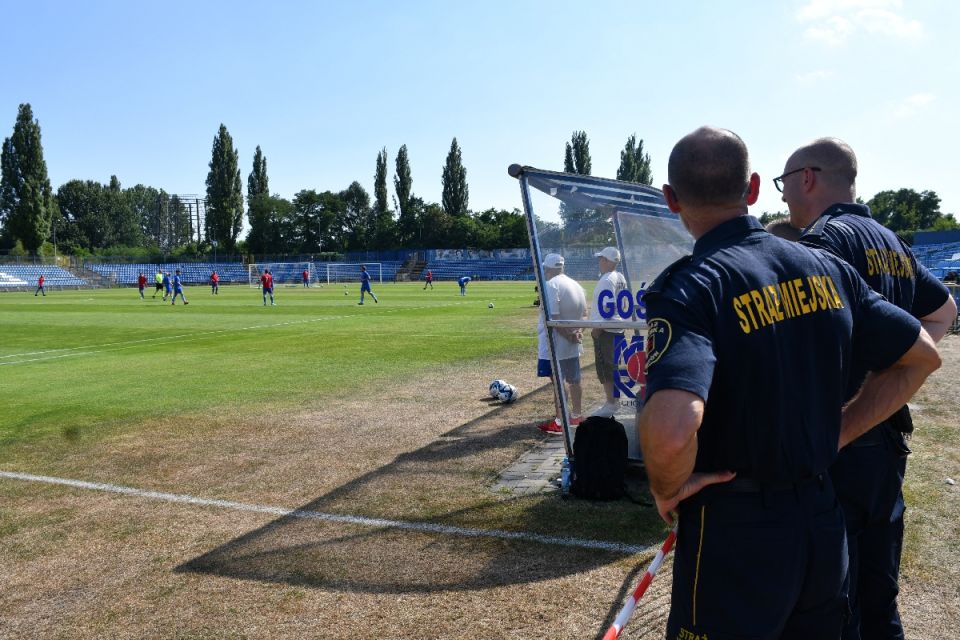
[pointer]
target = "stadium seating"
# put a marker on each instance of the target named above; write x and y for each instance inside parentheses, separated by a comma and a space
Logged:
(940, 259)
(25, 276)
(191, 272)
(481, 269)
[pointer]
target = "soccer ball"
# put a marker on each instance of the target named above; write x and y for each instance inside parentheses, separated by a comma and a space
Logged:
(346, 293)
(495, 387)
(490, 306)
(508, 393)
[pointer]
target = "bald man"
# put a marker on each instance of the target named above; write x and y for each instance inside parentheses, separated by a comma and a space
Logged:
(819, 187)
(736, 333)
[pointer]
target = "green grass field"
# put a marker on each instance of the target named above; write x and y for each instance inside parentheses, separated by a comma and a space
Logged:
(319, 404)
(81, 362)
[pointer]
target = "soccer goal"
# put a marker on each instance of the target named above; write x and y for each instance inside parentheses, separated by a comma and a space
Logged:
(284, 273)
(350, 271)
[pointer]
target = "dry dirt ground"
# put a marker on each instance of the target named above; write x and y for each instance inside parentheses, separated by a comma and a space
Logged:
(77, 563)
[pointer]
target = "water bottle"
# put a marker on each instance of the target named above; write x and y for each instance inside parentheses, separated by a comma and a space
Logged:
(565, 475)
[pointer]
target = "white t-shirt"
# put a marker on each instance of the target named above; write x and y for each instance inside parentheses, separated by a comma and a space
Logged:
(565, 299)
(614, 282)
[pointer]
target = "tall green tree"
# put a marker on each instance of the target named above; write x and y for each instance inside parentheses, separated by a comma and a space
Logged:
(380, 184)
(144, 202)
(403, 187)
(125, 227)
(359, 220)
(257, 182)
(502, 229)
(576, 158)
(272, 225)
(318, 222)
(83, 205)
(908, 210)
(634, 163)
(260, 209)
(224, 192)
(456, 194)
(26, 198)
(385, 227)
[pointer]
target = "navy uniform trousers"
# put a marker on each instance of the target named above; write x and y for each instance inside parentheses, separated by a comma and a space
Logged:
(760, 563)
(868, 476)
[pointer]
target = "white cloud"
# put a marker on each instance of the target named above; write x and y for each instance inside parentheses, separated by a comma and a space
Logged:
(912, 105)
(834, 21)
(890, 24)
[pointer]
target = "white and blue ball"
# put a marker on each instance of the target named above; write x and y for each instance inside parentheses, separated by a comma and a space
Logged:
(508, 393)
(495, 387)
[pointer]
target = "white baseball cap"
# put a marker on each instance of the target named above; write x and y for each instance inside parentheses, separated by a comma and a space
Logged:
(610, 253)
(553, 261)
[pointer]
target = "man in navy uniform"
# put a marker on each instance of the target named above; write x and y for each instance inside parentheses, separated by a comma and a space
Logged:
(819, 187)
(749, 350)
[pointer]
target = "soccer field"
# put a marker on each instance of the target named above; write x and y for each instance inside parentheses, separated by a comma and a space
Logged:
(229, 470)
(90, 362)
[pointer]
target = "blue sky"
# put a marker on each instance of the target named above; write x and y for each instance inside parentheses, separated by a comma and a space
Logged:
(139, 89)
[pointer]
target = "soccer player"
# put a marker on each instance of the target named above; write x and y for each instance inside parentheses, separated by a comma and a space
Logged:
(214, 284)
(166, 285)
(158, 282)
(141, 283)
(40, 288)
(178, 289)
(463, 284)
(429, 280)
(266, 283)
(365, 285)
(306, 278)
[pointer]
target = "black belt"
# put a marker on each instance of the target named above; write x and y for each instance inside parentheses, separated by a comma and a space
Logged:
(749, 485)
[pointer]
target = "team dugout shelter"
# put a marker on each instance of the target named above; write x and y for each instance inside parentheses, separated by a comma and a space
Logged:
(576, 217)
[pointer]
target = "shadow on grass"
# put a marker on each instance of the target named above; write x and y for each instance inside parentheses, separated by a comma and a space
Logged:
(427, 485)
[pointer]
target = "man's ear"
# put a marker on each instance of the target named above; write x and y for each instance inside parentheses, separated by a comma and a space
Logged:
(671, 197)
(753, 191)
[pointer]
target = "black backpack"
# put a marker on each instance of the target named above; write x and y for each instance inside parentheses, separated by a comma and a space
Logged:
(599, 459)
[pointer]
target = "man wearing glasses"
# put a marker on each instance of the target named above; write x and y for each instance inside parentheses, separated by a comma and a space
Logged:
(736, 333)
(819, 187)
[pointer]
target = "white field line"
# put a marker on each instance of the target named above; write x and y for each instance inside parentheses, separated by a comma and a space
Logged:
(419, 527)
(126, 344)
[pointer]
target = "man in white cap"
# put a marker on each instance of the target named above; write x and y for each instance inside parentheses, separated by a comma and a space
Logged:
(563, 299)
(613, 282)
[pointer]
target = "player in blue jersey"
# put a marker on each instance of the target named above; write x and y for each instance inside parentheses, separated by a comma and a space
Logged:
(178, 289)
(463, 282)
(365, 285)
(167, 290)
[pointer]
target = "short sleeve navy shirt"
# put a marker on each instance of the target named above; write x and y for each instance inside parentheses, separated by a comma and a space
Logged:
(881, 258)
(766, 331)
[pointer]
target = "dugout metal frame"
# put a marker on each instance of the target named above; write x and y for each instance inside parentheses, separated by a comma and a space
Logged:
(633, 217)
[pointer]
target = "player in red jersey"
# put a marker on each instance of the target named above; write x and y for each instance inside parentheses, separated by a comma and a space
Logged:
(141, 283)
(266, 283)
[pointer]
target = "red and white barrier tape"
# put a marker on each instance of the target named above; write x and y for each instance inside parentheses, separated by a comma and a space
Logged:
(624, 616)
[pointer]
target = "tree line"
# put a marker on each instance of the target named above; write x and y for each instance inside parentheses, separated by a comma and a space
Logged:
(85, 216)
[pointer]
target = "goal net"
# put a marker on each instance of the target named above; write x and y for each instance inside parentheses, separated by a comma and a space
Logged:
(284, 273)
(350, 271)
